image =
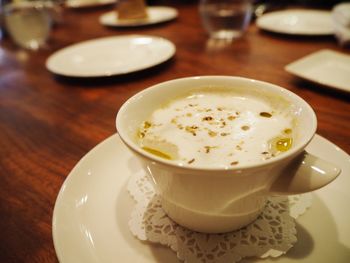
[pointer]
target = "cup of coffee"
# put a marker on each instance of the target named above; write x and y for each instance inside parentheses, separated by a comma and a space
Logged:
(218, 146)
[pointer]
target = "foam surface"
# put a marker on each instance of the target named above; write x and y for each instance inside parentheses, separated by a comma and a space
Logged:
(218, 130)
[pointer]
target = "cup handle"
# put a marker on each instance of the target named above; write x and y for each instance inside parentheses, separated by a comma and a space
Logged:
(304, 174)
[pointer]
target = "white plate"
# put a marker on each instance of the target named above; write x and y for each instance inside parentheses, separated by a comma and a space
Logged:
(110, 56)
(87, 3)
(297, 22)
(90, 220)
(325, 67)
(156, 14)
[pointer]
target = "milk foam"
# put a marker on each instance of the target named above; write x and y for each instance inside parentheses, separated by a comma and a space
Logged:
(217, 130)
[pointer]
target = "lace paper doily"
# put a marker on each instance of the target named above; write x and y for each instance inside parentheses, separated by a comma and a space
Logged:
(272, 234)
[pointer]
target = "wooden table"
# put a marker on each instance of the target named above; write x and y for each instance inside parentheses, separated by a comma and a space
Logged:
(47, 123)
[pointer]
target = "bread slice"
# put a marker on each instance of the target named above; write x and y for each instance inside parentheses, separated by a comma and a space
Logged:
(132, 10)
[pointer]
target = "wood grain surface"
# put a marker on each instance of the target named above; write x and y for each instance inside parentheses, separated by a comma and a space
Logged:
(48, 123)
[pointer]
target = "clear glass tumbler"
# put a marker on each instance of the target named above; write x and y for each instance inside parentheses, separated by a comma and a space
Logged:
(28, 23)
(225, 19)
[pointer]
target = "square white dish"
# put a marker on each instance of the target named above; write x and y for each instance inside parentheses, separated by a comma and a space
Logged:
(325, 67)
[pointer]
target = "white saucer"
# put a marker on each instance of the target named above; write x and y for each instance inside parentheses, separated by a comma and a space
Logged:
(156, 14)
(88, 3)
(110, 56)
(297, 22)
(90, 220)
(325, 67)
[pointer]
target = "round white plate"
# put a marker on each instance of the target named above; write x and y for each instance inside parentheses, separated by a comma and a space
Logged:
(110, 56)
(88, 3)
(156, 14)
(90, 219)
(297, 22)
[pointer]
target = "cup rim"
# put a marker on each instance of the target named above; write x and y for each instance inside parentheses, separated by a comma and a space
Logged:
(123, 134)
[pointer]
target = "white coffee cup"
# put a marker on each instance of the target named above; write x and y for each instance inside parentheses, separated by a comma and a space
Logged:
(216, 200)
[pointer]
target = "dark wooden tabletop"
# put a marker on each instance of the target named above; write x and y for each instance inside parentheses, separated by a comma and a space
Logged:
(48, 123)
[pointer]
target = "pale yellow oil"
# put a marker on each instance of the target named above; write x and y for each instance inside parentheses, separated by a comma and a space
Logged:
(157, 153)
(283, 144)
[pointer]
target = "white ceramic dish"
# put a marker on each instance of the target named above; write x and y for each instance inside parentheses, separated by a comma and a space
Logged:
(325, 67)
(156, 14)
(88, 3)
(90, 220)
(297, 22)
(110, 56)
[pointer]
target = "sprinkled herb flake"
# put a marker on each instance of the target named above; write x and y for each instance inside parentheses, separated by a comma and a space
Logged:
(191, 161)
(266, 155)
(287, 131)
(141, 134)
(191, 129)
(147, 124)
(208, 118)
(265, 114)
(212, 133)
(208, 148)
(234, 163)
(245, 127)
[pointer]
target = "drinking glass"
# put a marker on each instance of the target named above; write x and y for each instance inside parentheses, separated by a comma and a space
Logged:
(28, 23)
(225, 19)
